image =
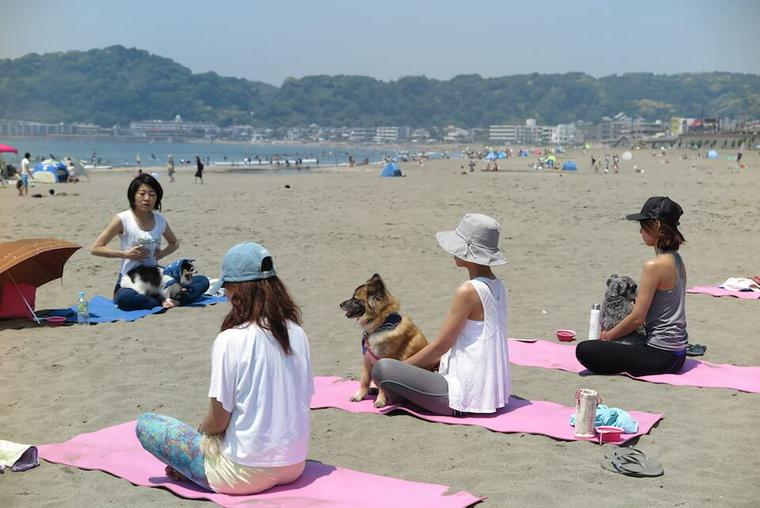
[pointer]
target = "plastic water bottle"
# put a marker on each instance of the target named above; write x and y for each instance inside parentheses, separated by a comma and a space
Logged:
(594, 322)
(83, 313)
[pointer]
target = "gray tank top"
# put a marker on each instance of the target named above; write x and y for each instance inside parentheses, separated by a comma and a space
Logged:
(666, 319)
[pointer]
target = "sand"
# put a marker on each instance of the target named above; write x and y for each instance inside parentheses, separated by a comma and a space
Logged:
(563, 234)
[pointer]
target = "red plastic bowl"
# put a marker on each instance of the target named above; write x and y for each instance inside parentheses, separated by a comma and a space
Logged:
(565, 335)
(609, 433)
(55, 320)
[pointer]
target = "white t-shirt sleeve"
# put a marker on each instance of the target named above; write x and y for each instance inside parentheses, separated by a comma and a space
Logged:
(223, 372)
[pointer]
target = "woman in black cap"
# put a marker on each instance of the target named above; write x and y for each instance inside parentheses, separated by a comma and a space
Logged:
(660, 304)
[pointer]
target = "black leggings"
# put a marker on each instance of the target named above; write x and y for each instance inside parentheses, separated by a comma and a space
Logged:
(601, 357)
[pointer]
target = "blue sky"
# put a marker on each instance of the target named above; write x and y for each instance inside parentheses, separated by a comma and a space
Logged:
(272, 40)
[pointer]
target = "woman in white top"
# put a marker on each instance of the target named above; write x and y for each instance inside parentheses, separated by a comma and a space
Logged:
(471, 345)
(139, 230)
(256, 432)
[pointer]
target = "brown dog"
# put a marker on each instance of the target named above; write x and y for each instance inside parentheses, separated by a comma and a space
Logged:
(387, 334)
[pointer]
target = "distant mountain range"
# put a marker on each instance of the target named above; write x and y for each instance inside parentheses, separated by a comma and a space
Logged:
(116, 85)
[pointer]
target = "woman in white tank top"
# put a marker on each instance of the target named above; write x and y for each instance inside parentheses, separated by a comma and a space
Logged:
(471, 345)
(140, 230)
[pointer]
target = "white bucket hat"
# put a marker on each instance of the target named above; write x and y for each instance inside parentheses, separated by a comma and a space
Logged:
(475, 239)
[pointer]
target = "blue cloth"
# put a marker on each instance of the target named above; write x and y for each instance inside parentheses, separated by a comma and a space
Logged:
(613, 416)
(174, 270)
(103, 310)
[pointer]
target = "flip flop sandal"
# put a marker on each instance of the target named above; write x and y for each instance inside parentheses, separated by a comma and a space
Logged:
(695, 350)
(632, 464)
(611, 452)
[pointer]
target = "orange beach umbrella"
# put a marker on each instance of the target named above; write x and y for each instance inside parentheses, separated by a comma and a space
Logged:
(33, 261)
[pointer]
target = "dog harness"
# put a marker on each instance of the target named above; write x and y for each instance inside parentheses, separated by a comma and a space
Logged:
(390, 323)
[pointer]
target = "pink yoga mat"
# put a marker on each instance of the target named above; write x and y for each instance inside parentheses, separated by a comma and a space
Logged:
(116, 450)
(718, 291)
(531, 417)
(550, 355)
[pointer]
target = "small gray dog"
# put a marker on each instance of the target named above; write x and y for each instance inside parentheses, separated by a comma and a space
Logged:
(617, 304)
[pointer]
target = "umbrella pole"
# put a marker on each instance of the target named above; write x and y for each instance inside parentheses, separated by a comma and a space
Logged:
(24, 298)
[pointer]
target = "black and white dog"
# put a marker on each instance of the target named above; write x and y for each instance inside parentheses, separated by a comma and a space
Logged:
(146, 280)
(617, 304)
(161, 284)
(177, 277)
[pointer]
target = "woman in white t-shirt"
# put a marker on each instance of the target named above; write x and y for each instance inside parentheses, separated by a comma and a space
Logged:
(471, 345)
(256, 432)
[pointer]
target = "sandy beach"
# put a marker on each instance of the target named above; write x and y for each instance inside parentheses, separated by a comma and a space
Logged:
(563, 234)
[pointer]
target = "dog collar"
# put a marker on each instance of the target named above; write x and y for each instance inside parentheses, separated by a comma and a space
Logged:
(390, 323)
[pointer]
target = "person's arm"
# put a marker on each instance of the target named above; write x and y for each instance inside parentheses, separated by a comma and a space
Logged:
(216, 419)
(172, 243)
(465, 300)
(650, 277)
(100, 246)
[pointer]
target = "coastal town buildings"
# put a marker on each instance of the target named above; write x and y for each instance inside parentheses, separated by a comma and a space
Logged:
(618, 130)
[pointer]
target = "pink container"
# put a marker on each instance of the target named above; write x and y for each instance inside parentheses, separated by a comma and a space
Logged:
(565, 335)
(55, 320)
(609, 433)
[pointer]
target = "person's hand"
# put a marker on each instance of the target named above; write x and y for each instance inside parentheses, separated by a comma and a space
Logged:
(136, 253)
(604, 335)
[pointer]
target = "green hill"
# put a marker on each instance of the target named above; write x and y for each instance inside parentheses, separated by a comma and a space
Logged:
(116, 85)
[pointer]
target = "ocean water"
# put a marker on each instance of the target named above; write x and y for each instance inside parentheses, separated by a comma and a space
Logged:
(155, 154)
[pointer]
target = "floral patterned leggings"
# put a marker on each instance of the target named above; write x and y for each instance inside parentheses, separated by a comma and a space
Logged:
(174, 443)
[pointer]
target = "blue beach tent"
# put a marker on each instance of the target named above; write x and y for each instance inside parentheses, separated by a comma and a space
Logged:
(712, 155)
(490, 156)
(570, 166)
(50, 172)
(391, 169)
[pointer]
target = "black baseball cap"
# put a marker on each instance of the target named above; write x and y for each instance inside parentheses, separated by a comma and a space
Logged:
(659, 207)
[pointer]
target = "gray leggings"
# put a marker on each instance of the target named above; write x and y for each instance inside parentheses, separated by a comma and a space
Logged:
(404, 382)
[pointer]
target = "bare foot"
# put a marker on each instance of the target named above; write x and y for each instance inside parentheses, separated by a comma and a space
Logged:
(168, 304)
(174, 474)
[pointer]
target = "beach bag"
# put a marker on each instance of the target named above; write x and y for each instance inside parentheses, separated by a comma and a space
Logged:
(12, 305)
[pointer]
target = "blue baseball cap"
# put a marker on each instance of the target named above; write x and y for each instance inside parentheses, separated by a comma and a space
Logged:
(242, 263)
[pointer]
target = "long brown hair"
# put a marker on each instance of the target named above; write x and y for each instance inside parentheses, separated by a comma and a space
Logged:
(667, 237)
(265, 302)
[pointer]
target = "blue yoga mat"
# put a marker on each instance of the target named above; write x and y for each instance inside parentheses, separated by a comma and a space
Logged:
(103, 310)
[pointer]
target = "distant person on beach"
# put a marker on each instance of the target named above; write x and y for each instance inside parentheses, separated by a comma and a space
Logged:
(138, 161)
(170, 167)
(25, 175)
(471, 345)
(660, 304)
(738, 157)
(255, 434)
(198, 170)
(140, 230)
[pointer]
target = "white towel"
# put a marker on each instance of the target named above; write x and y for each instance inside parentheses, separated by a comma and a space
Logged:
(740, 284)
(18, 457)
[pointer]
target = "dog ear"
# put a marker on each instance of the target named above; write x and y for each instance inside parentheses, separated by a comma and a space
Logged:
(611, 278)
(376, 287)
